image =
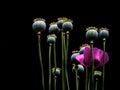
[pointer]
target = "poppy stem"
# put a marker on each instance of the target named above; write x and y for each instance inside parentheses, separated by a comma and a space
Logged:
(55, 77)
(63, 62)
(103, 70)
(91, 45)
(50, 66)
(86, 79)
(41, 63)
(55, 64)
(89, 83)
(76, 78)
(66, 57)
(96, 84)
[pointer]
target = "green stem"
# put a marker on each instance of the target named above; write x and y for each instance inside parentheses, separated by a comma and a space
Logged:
(55, 64)
(86, 79)
(66, 57)
(67, 44)
(50, 66)
(91, 45)
(89, 82)
(103, 77)
(76, 78)
(55, 78)
(96, 84)
(63, 71)
(41, 63)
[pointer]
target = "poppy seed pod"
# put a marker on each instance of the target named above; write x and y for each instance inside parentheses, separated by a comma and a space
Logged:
(91, 33)
(73, 57)
(97, 74)
(60, 23)
(39, 25)
(103, 33)
(67, 26)
(51, 38)
(82, 48)
(56, 72)
(80, 68)
(53, 29)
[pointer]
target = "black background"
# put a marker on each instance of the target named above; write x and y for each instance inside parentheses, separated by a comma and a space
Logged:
(19, 57)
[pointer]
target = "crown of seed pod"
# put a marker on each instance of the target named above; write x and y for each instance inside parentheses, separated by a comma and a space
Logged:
(53, 28)
(103, 33)
(39, 24)
(67, 25)
(97, 74)
(73, 56)
(51, 38)
(91, 33)
(83, 47)
(56, 71)
(79, 67)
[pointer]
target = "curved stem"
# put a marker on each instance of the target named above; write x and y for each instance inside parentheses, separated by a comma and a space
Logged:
(91, 45)
(63, 74)
(103, 77)
(41, 63)
(66, 57)
(50, 66)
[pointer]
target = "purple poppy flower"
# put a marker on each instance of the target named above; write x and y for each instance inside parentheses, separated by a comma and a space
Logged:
(86, 58)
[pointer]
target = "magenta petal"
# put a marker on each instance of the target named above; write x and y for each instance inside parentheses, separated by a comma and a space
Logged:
(80, 59)
(98, 55)
(87, 56)
(105, 58)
